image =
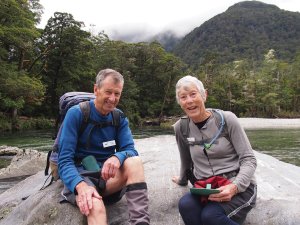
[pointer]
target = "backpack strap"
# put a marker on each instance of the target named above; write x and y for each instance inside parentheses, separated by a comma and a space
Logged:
(220, 122)
(116, 118)
(220, 119)
(220, 125)
(184, 126)
(116, 114)
(85, 110)
(47, 164)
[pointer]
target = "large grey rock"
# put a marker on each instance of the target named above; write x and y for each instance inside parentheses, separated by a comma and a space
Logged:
(278, 190)
(26, 204)
(25, 162)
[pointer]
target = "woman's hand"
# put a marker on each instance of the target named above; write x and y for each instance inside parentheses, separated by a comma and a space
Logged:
(225, 195)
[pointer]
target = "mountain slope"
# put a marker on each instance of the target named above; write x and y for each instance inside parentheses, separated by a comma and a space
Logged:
(245, 30)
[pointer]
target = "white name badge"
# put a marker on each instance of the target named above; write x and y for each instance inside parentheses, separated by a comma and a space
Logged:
(191, 139)
(109, 143)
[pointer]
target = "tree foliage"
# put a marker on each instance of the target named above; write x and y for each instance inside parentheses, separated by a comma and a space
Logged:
(146, 67)
(38, 66)
(17, 35)
(270, 89)
(65, 56)
(247, 30)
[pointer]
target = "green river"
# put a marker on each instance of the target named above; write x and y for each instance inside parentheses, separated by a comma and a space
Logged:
(283, 144)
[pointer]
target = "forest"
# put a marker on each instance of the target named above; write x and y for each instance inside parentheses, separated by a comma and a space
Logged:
(246, 30)
(37, 66)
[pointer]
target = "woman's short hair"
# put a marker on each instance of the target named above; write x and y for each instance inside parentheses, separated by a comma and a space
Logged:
(117, 77)
(187, 81)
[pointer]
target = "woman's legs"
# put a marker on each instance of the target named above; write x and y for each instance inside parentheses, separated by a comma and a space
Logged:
(190, 209)
(214, 214)
(193, 213)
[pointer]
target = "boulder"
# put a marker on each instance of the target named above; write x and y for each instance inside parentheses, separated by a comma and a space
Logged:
(24, 163)
(278, 188)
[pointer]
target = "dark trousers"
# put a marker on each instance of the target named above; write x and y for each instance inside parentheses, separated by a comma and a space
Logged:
(194, 213)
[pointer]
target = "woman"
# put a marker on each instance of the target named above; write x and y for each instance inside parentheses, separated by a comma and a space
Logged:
(230, 157)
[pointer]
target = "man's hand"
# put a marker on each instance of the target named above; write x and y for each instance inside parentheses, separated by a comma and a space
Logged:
(226, 193)
(84, 197)
(110, 167)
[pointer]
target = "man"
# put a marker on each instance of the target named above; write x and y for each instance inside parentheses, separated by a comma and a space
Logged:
(121, 168)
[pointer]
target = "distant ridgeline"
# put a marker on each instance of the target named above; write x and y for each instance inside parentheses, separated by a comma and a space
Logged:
(246, 30)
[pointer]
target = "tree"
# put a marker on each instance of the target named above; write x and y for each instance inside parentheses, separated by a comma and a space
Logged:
(17, 30)
(294, 84)
(271, 81)
(66, 54)
(17, 35)
(18, 90)
(156, 73)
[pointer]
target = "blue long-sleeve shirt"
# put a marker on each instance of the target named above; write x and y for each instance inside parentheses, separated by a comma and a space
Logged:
(72, 146)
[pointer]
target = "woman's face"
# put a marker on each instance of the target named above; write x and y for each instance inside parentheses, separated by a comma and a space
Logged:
(192, 102)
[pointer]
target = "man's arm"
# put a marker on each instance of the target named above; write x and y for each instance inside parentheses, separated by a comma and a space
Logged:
(67, 147)
(125, 142)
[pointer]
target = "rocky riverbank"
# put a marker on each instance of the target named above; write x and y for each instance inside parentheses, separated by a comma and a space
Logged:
(263, 123)
(278, 188)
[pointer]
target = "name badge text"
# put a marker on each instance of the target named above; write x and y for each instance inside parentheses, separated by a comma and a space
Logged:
(109, 143)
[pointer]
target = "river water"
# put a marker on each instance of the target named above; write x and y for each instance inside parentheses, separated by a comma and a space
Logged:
(283, 144)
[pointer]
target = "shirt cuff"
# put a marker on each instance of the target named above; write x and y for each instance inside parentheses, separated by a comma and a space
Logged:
(74, 183)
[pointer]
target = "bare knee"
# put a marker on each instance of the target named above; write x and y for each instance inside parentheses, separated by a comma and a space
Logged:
(98, 207)
(133, 161)
(134, 169)
(133, 164)
(97, 214)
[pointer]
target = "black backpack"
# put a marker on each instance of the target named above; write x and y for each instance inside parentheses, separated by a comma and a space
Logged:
(66, 101)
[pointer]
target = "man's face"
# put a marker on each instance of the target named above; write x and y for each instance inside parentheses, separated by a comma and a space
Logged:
(108, 95)
(192, 102)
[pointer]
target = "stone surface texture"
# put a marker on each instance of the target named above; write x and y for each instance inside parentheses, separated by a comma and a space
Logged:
(278, 192)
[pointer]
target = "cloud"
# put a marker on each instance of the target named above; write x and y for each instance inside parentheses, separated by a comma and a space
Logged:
(137, 20)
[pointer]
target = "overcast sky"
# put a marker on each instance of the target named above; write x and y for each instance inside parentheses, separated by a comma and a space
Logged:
(145, 17)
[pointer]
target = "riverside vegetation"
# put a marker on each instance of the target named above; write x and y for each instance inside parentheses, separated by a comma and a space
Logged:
(39, 65)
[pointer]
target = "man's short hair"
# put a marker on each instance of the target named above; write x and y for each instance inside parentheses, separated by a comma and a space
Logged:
(117, 77)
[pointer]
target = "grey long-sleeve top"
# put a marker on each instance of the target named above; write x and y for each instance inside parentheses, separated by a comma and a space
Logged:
(227, 154)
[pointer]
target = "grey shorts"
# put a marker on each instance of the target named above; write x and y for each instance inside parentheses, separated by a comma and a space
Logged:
(92, 179)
